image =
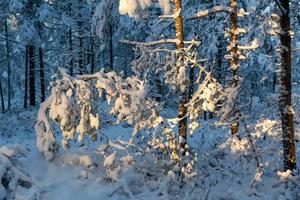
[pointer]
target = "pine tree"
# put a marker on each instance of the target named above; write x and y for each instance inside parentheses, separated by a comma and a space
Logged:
(182, 126)
(285, 87)
(234, 56)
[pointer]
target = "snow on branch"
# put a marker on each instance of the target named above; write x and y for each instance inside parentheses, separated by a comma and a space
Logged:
(216, 9)
(158, 42)
(254, 45)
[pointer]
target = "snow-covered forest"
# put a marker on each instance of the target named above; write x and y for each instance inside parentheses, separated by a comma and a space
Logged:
(149, 99)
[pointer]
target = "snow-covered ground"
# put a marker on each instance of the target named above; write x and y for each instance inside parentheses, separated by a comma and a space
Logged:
(226, 166)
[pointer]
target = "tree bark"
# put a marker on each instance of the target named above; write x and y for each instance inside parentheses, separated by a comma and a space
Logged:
(31, 75)
(220, 55)
(71, 67)
(42, 66)
(93, 61)
(234, 59)
(80, 36)
(42, 74)
(285, 88)
(26, 78)
(182, 110)
(8, 65)
(111, 56)
(2, 98)
(70, 52)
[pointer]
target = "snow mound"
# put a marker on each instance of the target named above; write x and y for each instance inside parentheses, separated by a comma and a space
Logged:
(14, 183)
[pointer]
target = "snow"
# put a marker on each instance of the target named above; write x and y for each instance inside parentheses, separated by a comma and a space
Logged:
(108, 161)
(134, 7)
(105, 170)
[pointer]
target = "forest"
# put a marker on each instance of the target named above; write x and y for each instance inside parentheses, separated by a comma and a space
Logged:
(149, 99)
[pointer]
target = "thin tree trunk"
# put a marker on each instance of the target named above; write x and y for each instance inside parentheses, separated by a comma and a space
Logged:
(234, 58)
(191, 82)
(42, 66)
(92, 58)
(31, 75)
(8, 66)
(182, 110)
(274, 82)
(71, 52)
(219, 61)
(2, 98)
(111, 56)
(125, 69)
(285, 87)
(26, 78)
(80, 37)
(42, 74)
(71, 67)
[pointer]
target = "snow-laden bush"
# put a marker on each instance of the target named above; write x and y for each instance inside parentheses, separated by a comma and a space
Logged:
(72, 104)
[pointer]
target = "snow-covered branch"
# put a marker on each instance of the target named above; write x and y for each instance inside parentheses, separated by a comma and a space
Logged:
(216, 9)
(158, 42)
(254, 45)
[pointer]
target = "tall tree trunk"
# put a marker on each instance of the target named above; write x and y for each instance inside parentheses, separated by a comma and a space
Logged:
(234, 59)
(111, 56)
(8, 66)
(285, 88)
(220, 54)
(26, 78)
(42, 74)
(182, 110)
(71, 67)
(31, 75)
(2, 98)
(80, 36)
(93, 61)
(42, 66)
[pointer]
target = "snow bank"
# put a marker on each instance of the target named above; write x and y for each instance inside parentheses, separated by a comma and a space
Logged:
(14, 184)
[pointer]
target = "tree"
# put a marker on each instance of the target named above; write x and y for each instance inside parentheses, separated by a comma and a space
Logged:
(285, 88)
(26, 78)
(182, 110)
(234, 57)
(30, 8)
(8, 65)
(2, 98)
(41, 63)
